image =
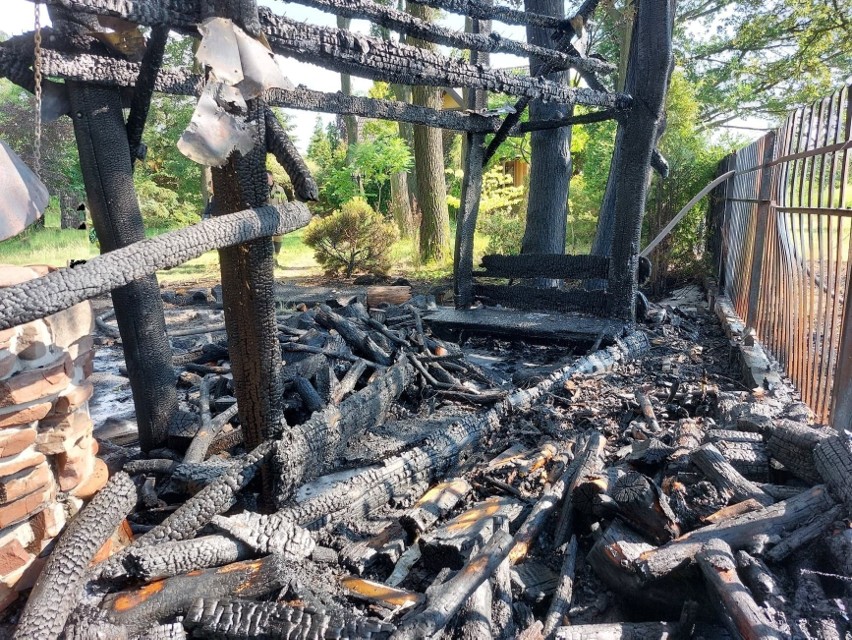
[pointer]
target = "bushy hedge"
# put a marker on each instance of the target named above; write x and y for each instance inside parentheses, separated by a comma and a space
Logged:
(353, 238)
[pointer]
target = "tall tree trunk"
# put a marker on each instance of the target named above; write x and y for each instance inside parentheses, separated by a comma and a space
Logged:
(429, 167)
(550, 170)
(346, 87)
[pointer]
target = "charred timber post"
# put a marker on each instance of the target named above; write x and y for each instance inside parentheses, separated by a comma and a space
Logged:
(742, 615)
(106, 163)
(468, 214)
(647, 79)
(248, 292)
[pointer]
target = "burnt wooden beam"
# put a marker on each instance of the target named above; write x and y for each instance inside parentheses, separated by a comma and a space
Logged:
(411, 26)
(741, 614)
(240, 618)
(278, 143)
(561, 603)
(623, 631)
(377, 59)
(641, 503)
(111, 71)
(248, 292)
(60, 584)
(484, 10)
(779, 519)
(546, 125)
(304, 451)
(138, 608)
(358, 339)
(805, 534)
(793, 445)
(434, 504)
(534, 299)
(558, 267)
(445, 600)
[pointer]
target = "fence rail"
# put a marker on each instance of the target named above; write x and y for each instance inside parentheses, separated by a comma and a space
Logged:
(785, 241)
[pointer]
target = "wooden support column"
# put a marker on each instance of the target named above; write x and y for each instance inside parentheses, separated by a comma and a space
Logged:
(248, 291)
(647, 82)
(473, 159)
(764, 210)
(105, 160)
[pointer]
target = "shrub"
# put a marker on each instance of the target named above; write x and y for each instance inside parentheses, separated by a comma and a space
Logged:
(354, 238)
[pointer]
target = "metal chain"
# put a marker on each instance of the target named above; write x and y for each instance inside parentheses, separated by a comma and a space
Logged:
(37, 72)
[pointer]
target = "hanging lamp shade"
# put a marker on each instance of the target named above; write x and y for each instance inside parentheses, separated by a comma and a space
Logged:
(24, 196)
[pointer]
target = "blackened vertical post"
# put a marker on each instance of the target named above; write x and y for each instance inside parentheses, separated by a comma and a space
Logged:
(105, 160)
(647, 82)
(764, 210)
(248, 293)
(473, 157)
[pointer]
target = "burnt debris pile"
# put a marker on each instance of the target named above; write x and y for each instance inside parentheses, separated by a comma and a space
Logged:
(416, 488)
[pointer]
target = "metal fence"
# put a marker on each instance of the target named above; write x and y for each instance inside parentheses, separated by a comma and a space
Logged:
(785, 223)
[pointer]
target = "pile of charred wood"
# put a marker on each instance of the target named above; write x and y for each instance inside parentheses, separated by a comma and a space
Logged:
(412, 494)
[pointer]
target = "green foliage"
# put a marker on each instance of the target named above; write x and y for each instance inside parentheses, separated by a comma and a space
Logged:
(502, 212)
(354, 238)
(362, 170)
(693, 159)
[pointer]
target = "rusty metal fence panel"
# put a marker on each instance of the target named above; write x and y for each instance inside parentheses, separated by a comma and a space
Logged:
(786, 245)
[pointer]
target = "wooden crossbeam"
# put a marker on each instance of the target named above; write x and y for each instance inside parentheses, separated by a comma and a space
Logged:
(533, 299)
(554, 266)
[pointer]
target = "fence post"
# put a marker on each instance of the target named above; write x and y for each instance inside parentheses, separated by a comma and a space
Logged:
(841, 410)
(764, 208)
(730, 165)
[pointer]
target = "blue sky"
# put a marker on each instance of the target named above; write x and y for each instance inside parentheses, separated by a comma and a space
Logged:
(19, 18)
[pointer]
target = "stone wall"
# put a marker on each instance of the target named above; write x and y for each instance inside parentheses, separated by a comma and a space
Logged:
(48, 463)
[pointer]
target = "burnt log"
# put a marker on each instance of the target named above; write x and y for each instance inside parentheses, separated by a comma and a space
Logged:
(742, 615)
(647, 411)
(91, 623)
(445, 600)
(444, 449)
(751, 459)
(623, 631)
(268, 534)
(358, 339)
(182, 556)
(793, 445)
(309, 395)
(61, 582)
(141, 607)
(777, 520)
(805, 534)
(379, 552)
(236, 619)
(434, 504)
(217, 497)
(641, 503)
(348, 382)
(503, 621)
(764, 586)
(725, 478)
(304, 450)
(561, 602)
(688, 437)
(173, 631)
(475, 615)
(452, 544)
(588, 462)
(833, 461)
